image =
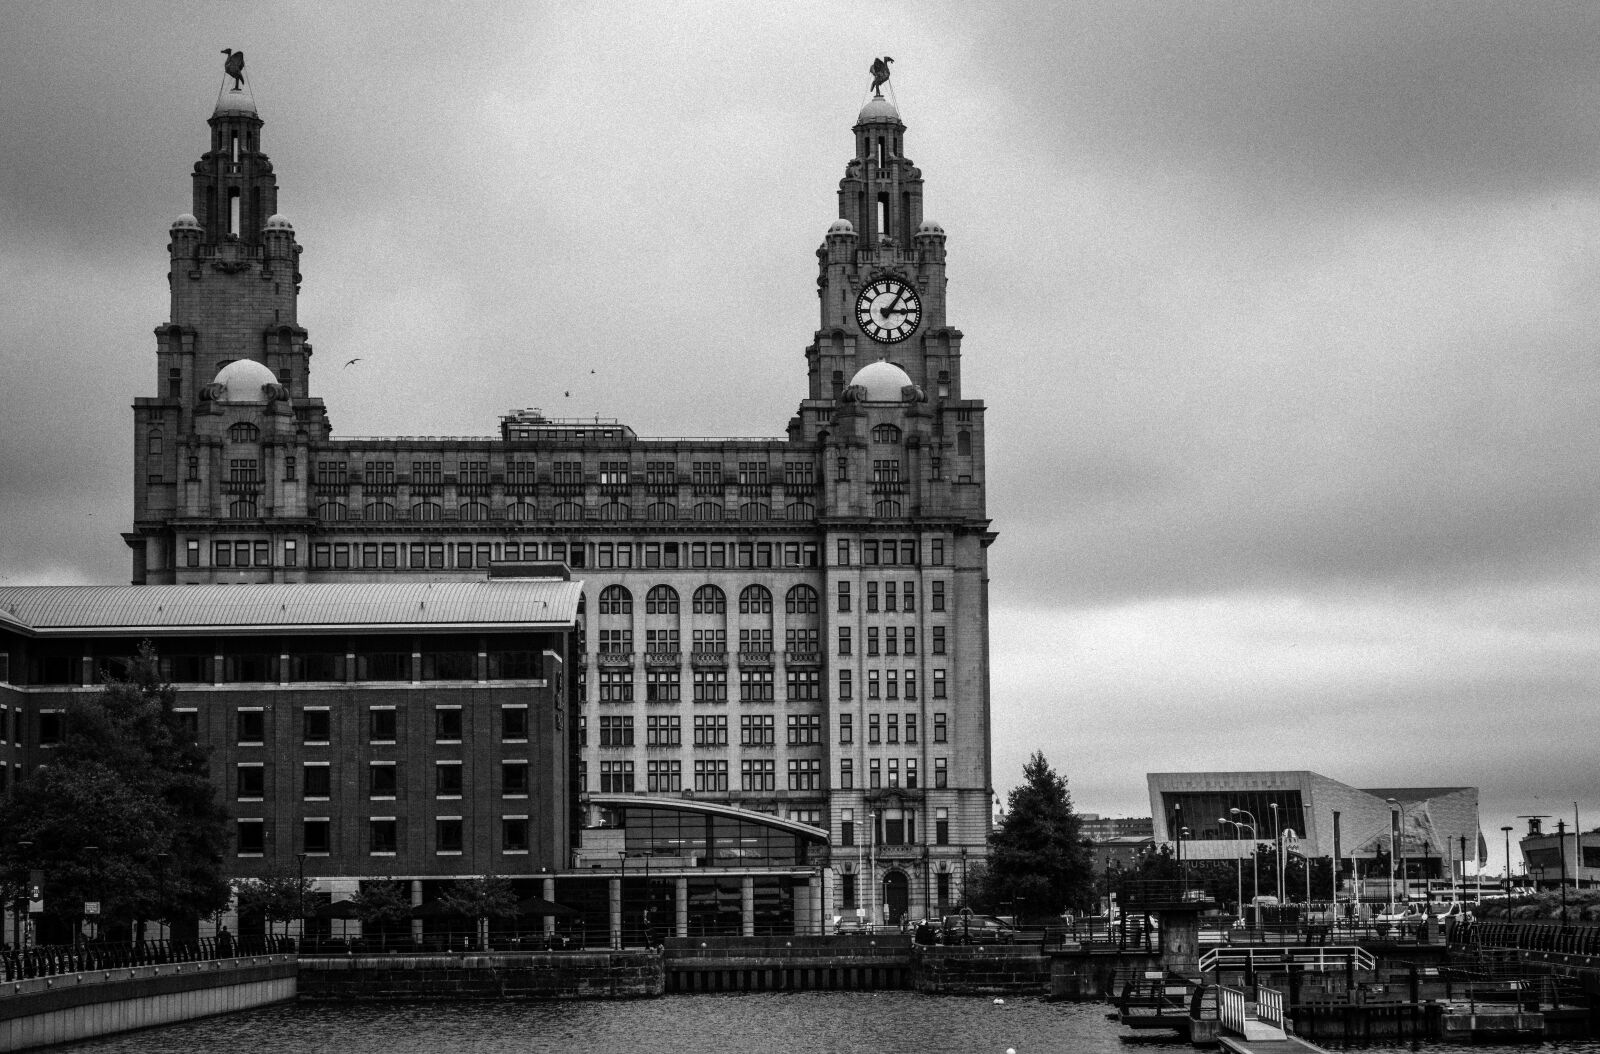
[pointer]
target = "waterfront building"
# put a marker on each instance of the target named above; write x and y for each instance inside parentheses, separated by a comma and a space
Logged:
(1553, 858)
(1430, 832)
(795, 625)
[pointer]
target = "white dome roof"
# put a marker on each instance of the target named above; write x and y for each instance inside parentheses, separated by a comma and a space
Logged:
(878, 109)
(883, 381)
(186, 222)
(235, 100)
(842, 226)
(242, 381)
(279, 222)
(930, 227)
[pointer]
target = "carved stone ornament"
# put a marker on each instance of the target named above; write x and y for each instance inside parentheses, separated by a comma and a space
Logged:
(854, 393)
(212, 392)
(231, 266)
(913, 393)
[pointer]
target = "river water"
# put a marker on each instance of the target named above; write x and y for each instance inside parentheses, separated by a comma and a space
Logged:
(798, 1022)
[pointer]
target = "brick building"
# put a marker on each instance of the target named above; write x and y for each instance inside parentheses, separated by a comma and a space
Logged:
(795, 625)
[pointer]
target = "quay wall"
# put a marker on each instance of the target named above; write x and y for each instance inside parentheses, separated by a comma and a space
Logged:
(44, 1011)
(509, 976)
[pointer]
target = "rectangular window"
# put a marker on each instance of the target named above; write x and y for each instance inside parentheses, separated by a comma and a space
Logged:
(805, 774)
(447, 724)
(847, 827)
(941, 827)
(251, 837)
(941, 731)
(382, 781)
(316, 837)
(844, 640)
(663, 730)
(894, 772)
(757, 730)
(663, 686)
(872, 596)
(798, 473)
(711, 730)
(872, 641)
(911, 685)
(847, 774)
(911, 728)
(755, 686)
(938, 596)
(842, 558)
(874, 774)
(514, 834)
(805, 730)
(447, 779)
(847, 728)
(384, 836)
(758, 774)
(448, 834)
(710, 776)
(803, 685)
(664, 777)
(252, 726)
(291, 553)
(753, 473)
(616, 731)
(911, 773)
(514, 778)
(874, 728)
(316, 781)
(711, 686)
(872, 684)
(513, 722)
(938, 684)
(940, 773)
(250, 782)
(893, 721)
(938, 640)
(315, 725)
(909, 640)
(381, 724)
(846, 685)
(936, 552)
(616, 686)
(844, 596)
(890, 600)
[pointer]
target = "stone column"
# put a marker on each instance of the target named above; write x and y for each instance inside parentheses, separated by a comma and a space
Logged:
(747, 906)
(548, 891)
(680, 890)
(614, 889)
(416, 901)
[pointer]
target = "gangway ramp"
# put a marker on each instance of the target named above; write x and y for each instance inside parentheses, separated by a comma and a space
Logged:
(1312, 957)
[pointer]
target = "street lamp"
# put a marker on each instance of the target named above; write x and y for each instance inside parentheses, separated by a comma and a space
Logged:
(1561, 847)
(622, 896)
(90, 850)
(1394, 857)
(1238, 869)
(1183, 870)
(1507, 830)
(300, 894)
(1255, 865)
(161, 903)
(1277, 837)
(964, 902)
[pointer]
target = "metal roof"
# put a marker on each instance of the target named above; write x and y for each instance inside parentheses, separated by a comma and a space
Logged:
(298, 607)
(732, 812)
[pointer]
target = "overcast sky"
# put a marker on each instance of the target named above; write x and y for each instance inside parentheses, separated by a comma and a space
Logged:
(1285, 316)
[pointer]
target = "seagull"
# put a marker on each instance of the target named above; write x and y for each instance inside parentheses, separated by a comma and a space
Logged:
(567, 394)
(352, 362)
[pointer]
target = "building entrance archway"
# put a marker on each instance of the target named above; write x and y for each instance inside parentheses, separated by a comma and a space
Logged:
(896, 896)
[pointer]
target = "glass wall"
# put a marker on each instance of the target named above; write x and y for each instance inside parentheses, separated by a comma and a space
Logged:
(1199, 811)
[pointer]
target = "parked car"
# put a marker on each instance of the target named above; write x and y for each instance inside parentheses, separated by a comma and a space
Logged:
(977, 929)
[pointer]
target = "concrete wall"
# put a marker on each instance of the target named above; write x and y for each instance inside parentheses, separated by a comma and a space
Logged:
(47, 1010)
(563, 975)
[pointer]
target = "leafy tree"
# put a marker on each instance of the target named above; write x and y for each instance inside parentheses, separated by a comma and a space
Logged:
(1038, 861)
(382, 904)
(124, 813)
(277, 896)
(486, 897)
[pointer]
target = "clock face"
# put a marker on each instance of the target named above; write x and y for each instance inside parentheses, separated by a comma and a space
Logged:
(888, 310)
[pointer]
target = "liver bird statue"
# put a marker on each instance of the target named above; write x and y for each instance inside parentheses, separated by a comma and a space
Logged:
(880, 73)
(234, 67)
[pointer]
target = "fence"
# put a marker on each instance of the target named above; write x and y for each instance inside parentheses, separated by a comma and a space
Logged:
(1269, 1006)
(1532, 935)
(52, 960)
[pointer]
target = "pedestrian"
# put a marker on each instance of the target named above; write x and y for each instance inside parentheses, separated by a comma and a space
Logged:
(224, 943)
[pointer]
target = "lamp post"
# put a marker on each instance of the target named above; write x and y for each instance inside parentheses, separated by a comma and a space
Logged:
(1561, 847)
(964, 902)
(1277, 838)
(1238, 869)
(1183, 871)
(90, 851)
(1255, 864)
(1507, 831)
(622, 897)
(300, 894)
(161, 900)
(1396, 856)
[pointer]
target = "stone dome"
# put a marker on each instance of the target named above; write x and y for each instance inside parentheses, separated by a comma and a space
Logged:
(878, 109)
(883, 381)
(842, 226)
(186, 222)
(235, 101)
(279, 222)
(241, 381)
(930, 227)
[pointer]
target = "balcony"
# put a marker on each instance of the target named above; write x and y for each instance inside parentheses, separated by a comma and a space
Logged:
(803, 657)
(663, 658)
(613, 659)
(755, 657)
(709, 658)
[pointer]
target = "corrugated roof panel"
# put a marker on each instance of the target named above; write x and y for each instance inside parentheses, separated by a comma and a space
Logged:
(547, 602)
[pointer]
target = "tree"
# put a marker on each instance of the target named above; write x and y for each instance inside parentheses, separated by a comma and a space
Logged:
(124, 813)
(277, 896)
(382, 904)
(483, 898)
(1038, 861)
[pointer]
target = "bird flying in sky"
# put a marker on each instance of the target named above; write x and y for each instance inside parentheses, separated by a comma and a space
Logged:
(352, 362)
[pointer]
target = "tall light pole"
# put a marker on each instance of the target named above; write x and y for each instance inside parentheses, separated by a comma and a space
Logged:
(1238, 868)
(300, 894)
(622, 898)
(1277, 838)
(1561, 847)
(1395, 804)
(1507, 830)
(1255, 865)
(1577, 848)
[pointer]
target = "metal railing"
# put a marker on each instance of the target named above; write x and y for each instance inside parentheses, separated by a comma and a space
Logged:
(1322, 958)
(1231, 1008)
(54, 960)
(1269, 1006)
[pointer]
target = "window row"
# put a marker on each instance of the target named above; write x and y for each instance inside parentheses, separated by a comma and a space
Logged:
(894, 827)
(383, 836)
(888, 641)
(891, 552)
(525, 472)
(886, 728)
(568, 511)
(887, 684)
(383, 780)
(709, 600)
(666, 730)
(895, 596)
(877, 766)
(383, 724)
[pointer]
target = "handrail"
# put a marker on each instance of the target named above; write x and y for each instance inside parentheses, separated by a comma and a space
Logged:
(1231, 1008)
(1318, 957)
(1269, 1006)
(52, 960)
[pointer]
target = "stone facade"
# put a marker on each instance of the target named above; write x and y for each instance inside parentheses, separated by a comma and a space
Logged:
(798, 625)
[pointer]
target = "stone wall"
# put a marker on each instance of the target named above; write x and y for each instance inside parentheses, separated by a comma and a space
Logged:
(559, 975)
(980, 969)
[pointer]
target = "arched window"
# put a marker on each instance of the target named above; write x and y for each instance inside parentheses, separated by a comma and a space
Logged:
(886, 434)
(427, 510)
(709, 600)
(473, 511)
(661, 600)
(242, 508)
(568, 510)
(755, 600)
(243, 432)
(332, 510)
(886, 509)
(801, 510)
(708, 510)
(378, 512)
(755, 510)
(963, 442)
(661, 510)
(521, 511)
(615, 600)
(615, 510)
(801, 600)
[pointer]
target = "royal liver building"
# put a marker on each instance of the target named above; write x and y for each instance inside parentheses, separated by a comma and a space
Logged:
(796, 625)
